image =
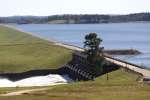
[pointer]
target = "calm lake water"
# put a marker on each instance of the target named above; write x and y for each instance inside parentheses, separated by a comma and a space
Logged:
(114, 35)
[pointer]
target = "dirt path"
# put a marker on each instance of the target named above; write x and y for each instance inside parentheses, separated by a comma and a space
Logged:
(20, 92)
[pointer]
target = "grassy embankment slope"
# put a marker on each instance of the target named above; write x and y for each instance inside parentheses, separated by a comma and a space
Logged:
(120, 86)
(22, 52)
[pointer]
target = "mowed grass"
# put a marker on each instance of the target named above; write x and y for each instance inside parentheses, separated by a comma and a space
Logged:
(120, 86)
(22, 52)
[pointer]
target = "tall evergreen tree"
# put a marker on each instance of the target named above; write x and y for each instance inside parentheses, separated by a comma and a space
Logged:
(94, 51)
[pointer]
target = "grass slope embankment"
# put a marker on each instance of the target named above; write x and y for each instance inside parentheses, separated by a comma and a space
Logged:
(22, 52)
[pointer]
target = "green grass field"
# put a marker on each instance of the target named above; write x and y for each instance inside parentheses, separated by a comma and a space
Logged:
(31, 53)
(120, 86)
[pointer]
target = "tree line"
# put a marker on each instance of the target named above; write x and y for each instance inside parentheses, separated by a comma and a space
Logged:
(77, 19)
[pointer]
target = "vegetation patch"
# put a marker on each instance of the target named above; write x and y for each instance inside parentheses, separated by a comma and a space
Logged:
(23, 52)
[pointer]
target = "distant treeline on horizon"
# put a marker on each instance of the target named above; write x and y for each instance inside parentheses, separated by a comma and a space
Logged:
(76, 19)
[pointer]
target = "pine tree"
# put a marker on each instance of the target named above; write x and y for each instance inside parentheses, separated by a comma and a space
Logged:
(94, 51)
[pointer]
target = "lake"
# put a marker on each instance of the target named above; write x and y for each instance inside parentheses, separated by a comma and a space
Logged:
(114, 36)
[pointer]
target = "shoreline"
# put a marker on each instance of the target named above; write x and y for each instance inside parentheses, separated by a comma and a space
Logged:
(72, 47)
(55, 42)
(29, 33)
